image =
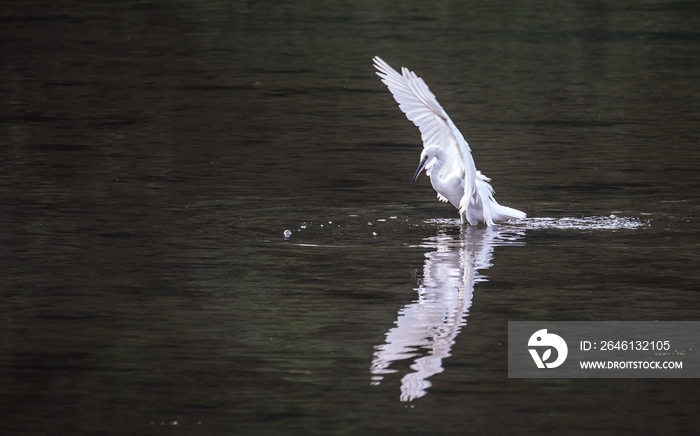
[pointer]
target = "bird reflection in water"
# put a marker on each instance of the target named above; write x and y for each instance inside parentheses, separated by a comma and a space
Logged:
(427, 328)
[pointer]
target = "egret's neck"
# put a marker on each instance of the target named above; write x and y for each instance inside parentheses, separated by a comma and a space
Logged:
(445, 182)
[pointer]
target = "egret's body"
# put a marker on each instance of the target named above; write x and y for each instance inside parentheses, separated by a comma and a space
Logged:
(446, 156)
(448, 184)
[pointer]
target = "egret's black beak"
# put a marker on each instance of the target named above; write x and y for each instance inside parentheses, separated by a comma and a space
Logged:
(418, 170)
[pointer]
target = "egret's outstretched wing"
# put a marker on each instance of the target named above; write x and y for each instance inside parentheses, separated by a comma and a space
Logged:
(436, 127)
(417, 102)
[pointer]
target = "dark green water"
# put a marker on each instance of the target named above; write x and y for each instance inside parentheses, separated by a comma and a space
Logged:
(152, 155)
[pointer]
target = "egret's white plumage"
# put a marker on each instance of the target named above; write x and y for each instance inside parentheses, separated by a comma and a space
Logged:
(446, 156)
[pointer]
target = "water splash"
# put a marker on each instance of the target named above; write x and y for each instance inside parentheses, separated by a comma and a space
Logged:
(611, 222)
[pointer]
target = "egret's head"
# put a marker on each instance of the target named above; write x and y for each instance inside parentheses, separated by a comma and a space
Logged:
(426, 160)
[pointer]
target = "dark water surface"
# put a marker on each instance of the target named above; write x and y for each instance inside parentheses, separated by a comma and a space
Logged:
(152, 155)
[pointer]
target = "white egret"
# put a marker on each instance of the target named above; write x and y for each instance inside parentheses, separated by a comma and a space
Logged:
(446, 156)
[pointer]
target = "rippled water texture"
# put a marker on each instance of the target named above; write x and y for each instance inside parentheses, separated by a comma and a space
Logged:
(153, 154)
